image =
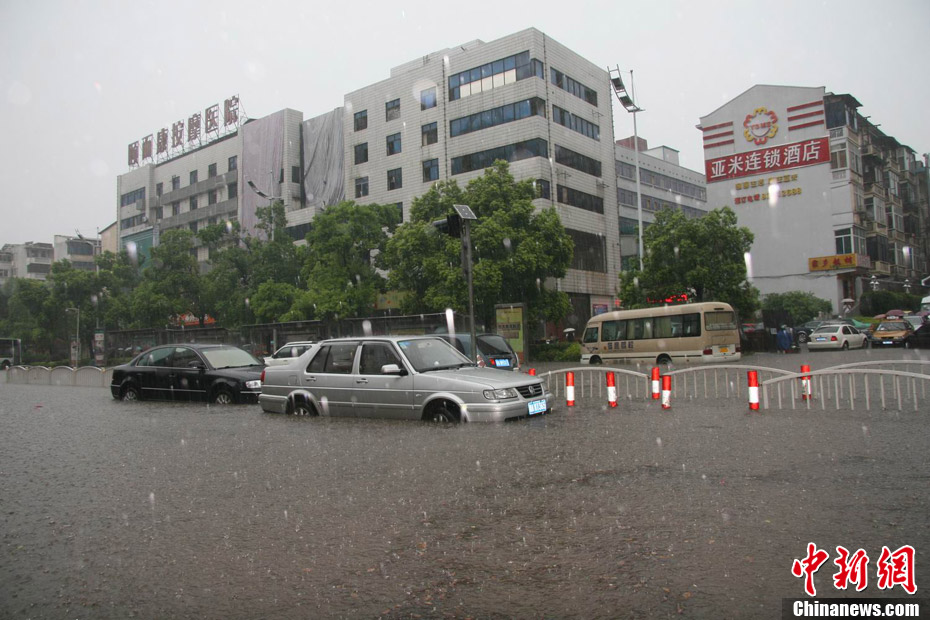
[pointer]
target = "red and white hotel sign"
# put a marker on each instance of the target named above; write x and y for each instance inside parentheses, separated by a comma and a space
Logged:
(765, 161)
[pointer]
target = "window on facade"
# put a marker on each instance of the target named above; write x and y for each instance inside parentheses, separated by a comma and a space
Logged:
(232, 191)
(159, 187)
(176, 208)
(429, 134)
(844, 244)
(497, 116)
(493, 75)
(392, 110)
(574, 87)
(175, 182)
(428, 98)
(400, 211)
(193, 203)
(577, 161)
(193, 177)
(430, 170)
(232, 164)
(193, 226)
(582, 200)
(295, 174)
(158, 212)
(838, 156)
(511, 153)
(395, 179)
(576, 123)
(211, 197)
(543, 188)
(361, 153)
(211, 171)
(131, 198)
(361, 187)
(361, 120)
(393, 144)
(628, 226)
(590, 251)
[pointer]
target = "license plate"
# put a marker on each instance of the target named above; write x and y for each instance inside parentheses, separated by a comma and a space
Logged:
(502, 363)
(887, 342)
(820, 339)
(536, 406)
(724, 349)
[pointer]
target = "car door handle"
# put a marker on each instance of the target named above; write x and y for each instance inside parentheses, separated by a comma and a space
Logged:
(361, 380)
(310, 379)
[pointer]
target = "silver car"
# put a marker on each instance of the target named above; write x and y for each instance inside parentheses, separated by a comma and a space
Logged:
(399, 377)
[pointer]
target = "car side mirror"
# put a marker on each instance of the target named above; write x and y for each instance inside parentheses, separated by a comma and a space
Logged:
(197, 364)
(391, 369)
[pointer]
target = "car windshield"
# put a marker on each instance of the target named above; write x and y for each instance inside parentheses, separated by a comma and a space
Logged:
(493, 345)
(828, 329)
(897, 326)
(229, 358)
(426, 354)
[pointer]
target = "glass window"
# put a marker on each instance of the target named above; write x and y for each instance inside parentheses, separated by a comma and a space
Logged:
(430, 170)
(211, 197)
(193, 177)
(361, 153)
(392, 110)
(175, 182)
(395, 179)
(193, 203)
(156, 357)
(428, 98)
(716, 321)
(393, 144)
(183, 357)
(376, 355)
(233, 162)
(590, 334)
(361, 120)
(430, 134)
(334, 358)
(361, 187)
(232, 191)
(211, 171)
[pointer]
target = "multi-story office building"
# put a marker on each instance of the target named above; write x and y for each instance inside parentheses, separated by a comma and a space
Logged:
(279, 157)
(836, 206)
(664, 184)
(524, 98)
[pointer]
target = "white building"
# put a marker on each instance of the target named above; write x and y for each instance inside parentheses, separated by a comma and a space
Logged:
(830, 199)
(524, 98)
(277, 157)
(26, 260)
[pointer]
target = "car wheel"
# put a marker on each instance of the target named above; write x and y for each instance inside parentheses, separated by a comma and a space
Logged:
(596, 361)
(802, 338)
(130, 394)
(5, 365)
(846, 345)
(442, 412)
(223, 397)
(302, 408)
(663, 360)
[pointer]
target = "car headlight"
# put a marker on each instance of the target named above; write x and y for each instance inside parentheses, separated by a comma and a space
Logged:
(500, 394)
(253, 385)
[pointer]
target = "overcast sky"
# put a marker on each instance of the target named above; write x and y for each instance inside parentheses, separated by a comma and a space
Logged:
(80, 80)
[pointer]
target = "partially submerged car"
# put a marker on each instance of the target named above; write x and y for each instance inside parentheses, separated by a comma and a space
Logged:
(891, 333)
(837, 336)
(399, 377)
(493, 350)
(216, 373)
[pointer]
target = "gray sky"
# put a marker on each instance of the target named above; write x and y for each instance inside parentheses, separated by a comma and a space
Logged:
(80, 80)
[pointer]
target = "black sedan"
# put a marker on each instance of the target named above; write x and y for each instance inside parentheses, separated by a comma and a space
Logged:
(919, 338)
(214, 373)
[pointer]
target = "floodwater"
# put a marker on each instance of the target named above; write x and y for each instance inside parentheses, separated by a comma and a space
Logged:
(145, 510)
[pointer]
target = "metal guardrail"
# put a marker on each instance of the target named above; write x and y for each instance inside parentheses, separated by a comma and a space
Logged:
(84, 376)
(850, 383)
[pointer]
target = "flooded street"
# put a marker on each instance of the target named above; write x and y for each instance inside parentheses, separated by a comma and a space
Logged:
(117, 510)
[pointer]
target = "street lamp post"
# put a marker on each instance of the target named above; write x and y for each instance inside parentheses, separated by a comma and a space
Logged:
(626, 100)
(467, 215)
(271, 199)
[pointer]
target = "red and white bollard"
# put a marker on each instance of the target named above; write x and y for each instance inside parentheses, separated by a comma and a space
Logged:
(753, 377)
(570, 389)
(611, 389)
(805, 383)
(666, 391)
(655, 382)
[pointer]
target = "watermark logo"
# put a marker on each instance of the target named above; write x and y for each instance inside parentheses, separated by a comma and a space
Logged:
(893, 568)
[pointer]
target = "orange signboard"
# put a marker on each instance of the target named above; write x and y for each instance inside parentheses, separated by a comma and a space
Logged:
(838, 261)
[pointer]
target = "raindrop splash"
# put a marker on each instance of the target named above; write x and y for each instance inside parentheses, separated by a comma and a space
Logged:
(747, 257)
(450, 321)
(773, 194)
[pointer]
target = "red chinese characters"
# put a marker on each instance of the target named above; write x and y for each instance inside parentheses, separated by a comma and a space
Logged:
(894, 568)
(897, 569)
(808, 566)
(782, 157)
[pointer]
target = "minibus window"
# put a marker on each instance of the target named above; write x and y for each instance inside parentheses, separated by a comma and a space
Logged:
(590, 334)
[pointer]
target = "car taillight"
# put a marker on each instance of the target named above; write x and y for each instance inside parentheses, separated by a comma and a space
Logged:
(262, 378)
(708, 351)
(832, 338)
(739, 349)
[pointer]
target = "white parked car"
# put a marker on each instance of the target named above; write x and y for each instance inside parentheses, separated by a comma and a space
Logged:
(837, 336)
(288, 353)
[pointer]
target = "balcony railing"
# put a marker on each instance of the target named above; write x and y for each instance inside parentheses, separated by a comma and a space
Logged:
(880, 266)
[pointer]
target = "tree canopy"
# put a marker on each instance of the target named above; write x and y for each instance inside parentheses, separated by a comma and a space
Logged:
(704, 257)
(516, 250)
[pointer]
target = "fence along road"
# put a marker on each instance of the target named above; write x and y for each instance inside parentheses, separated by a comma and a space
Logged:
(838, 386)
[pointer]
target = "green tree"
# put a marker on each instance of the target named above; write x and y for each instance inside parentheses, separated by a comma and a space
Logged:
(338, 272)
(517, 248)
(172, 285)
(704, 256)
(801, 306)
(27, 316)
